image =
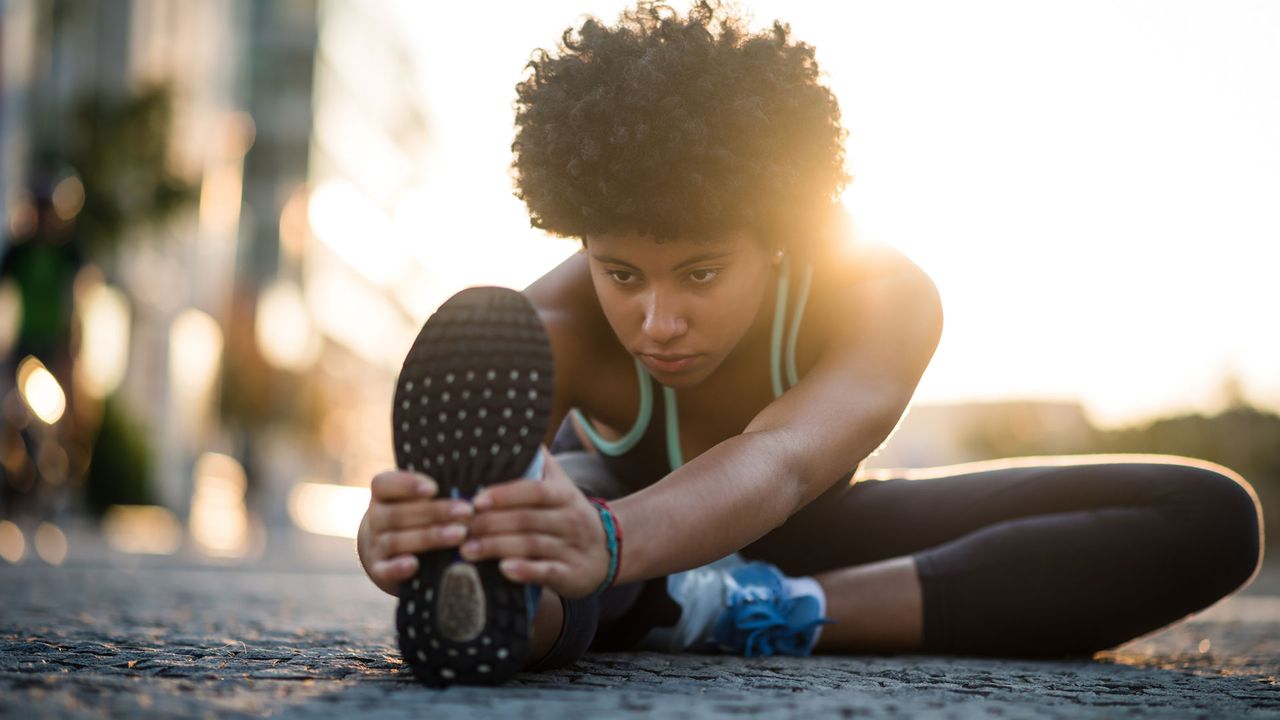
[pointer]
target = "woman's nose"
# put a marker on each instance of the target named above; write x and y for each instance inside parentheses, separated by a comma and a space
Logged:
(662, 320)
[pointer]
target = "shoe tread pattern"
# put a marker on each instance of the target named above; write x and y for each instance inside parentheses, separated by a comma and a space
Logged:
(472, 404)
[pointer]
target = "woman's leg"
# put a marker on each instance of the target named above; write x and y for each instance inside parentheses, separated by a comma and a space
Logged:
(1042, 556)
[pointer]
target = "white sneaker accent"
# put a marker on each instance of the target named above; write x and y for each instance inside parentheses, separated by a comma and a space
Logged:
(701, 595)
(537, 469)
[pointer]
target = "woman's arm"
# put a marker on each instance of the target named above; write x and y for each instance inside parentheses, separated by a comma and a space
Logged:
(803, 442)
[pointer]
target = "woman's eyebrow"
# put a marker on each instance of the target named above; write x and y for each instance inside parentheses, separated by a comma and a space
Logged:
(704, 257)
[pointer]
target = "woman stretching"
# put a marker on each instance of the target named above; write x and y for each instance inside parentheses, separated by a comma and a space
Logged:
(708, 373)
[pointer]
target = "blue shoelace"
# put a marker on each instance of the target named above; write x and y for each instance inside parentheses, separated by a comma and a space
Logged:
(761, 622)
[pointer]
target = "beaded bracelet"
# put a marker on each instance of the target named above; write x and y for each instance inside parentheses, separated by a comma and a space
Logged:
(613, 541)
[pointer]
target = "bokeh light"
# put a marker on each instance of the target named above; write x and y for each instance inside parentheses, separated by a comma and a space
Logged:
(41, 391)
(328, 509)
(195, 346)
(142, 529)
(10, 313)
(284, 329)
(51, 543)
(219, 520)
(13, 546)
(104, 345)
(68, 197)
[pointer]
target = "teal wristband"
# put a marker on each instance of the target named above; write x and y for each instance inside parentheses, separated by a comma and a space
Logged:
(612, 539)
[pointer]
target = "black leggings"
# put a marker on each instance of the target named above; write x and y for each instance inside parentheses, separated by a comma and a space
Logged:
(1042, 557)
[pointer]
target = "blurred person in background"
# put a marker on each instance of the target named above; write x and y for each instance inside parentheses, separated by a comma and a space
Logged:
(40, 263)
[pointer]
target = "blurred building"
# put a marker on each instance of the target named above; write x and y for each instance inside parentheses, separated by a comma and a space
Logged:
(17, 54)
(358, 277)
(260, 329)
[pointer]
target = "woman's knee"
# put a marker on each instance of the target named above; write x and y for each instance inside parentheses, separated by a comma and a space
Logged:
(591, 476)
(1227, 520)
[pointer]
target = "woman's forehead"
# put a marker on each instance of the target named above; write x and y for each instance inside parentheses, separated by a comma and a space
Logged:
(634, 247)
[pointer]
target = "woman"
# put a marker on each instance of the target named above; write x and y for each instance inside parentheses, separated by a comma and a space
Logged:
(715, 364)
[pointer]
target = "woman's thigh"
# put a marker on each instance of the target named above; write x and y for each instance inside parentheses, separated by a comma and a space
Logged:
(909, 511)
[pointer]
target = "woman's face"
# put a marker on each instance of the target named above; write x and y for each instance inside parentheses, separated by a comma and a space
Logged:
(679, 307)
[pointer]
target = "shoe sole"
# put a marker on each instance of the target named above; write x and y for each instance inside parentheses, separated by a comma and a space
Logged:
(472, 405)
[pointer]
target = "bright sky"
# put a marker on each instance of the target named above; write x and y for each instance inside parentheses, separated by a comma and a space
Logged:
(1093, 185)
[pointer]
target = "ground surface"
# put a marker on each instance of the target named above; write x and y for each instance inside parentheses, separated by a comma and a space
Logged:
(123, 636)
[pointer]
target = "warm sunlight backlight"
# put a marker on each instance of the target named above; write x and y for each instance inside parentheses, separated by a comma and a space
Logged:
(328, 509)
(51, 543)
(41, 391)
(142, 529)
(12, 544)
(219, 519)
(351, 225)
(1100, 225)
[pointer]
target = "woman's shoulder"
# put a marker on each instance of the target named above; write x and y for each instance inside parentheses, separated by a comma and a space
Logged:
(581, 340)
(566, 301)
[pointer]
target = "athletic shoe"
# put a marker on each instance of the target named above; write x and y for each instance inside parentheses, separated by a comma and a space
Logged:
(769, 613)
(743, 608)
(472, 405)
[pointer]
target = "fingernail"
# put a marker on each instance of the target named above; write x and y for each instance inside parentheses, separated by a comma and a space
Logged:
(409, 563)
(426, 486)
(458, 510)
(471, 548)
(482, 502)
(454, 532)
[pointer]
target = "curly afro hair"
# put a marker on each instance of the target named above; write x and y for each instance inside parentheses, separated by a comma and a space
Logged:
(678, 128)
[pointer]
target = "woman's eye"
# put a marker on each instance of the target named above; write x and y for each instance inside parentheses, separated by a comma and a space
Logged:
(704, 275)
(622, 277)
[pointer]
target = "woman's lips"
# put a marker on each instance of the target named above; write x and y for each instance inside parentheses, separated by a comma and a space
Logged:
(667, 363)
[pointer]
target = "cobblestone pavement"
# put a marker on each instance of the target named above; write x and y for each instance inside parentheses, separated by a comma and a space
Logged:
(159, 638)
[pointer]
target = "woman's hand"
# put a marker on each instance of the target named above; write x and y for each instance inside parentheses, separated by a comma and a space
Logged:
(545, 531)
(405, 519)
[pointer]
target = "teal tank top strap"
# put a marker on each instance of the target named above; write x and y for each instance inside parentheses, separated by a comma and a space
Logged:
(779, 317)
(802, 298)
(675, 455)
(628, 441)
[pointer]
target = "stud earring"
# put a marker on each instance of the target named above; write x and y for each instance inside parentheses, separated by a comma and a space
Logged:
(778, 256)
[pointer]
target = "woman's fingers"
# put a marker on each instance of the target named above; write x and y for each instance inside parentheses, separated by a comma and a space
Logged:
(541, 572)
(412, 542)
(394, 570)
(401, 485)
(408, 514)
(531, 545)
(517, 493)
(520, 520)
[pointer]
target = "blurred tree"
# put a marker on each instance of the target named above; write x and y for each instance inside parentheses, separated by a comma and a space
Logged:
(1242, 437)
(119, 147)
(99, 173)
(120, 471)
